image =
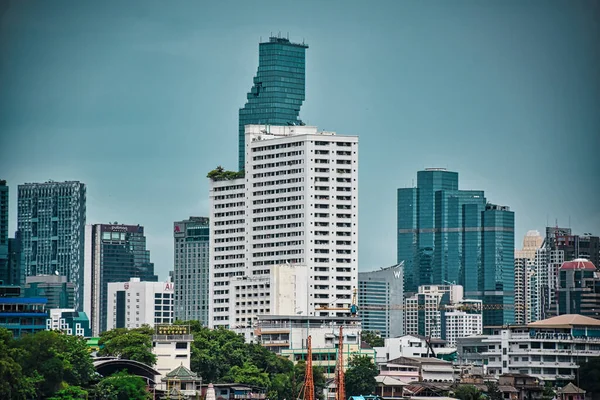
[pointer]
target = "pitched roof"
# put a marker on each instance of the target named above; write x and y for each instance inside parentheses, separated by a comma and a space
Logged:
(579, 264)
(181, 372)
(566, 320)
(571, 389)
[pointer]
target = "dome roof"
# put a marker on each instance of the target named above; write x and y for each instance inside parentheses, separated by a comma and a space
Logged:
(580, 264)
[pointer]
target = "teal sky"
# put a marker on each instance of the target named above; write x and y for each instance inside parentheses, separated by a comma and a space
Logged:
(140, 99)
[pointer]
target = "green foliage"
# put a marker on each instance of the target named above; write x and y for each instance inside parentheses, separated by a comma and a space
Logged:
(548, 393)
(248, 374)
(121, 386)
(493, 392)
(70, 393)
(15, 385)
(219, 174)
(360, 376)
(468, 392)
(588, 376)
(55, 358)
(131, 344)
(373, 338)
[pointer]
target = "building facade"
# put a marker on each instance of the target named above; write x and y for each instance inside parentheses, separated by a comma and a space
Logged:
(135, 303)
(295, 208)
(68, 321)
(191, 269)
(59, 292)
(22, 315)
(171, 344)
(51, 221)
(579, 288)
(113, 253)
(380, 300)
(447, 235)
(278, 89)
(440, 311)
(551, 350)
(4, 268)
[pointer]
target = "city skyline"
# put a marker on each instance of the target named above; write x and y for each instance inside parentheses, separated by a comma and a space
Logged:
(495, 112)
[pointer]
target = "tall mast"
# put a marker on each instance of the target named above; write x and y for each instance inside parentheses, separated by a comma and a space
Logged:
(309, 385)
(339, 369)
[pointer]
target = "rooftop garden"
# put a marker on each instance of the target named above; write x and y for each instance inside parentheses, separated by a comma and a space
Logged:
(219, 174)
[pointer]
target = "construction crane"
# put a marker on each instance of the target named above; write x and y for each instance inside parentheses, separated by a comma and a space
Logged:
(308, 389)
(353, 309)
(340, 393)
(441, 307)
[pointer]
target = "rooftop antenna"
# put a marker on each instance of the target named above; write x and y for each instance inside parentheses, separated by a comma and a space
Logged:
(288, 36)
(279, 35)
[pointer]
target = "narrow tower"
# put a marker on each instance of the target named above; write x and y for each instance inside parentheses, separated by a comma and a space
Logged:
(339, 369)
(309, 385)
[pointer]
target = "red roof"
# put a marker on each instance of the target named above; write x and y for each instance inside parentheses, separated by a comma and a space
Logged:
(578, 264)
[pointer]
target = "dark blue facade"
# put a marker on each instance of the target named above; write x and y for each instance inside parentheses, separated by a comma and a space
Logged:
(278, 91)
(441, 234)
(23, 315)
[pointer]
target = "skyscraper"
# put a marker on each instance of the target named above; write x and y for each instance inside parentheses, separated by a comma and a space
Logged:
(278, 89)
(4, 264)
(113, 253)
(380, 300)
(191, 269)
(525, 279)
(292, 219)
(441, 233)
(51, 221)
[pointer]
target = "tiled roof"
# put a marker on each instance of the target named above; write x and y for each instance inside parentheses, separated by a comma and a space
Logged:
(571, 389)
(181, 372)
(566, 320)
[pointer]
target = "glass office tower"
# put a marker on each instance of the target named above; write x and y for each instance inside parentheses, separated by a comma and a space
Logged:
(51, 221)
(278, 90)
(441, 232)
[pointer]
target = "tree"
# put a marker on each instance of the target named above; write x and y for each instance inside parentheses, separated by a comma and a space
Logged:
(373, 338)
(70, 393)
(588, 376)
(468, 392)
(548, 393)
(51, 358)
(15, 385)
(360, 376)
(248, 374)
(131, 344)
(493, 392)
(121, 386)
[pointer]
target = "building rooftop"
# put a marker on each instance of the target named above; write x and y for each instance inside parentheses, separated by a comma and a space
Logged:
(565, 321)
(571, 389)
(579, 264)
(181, 372)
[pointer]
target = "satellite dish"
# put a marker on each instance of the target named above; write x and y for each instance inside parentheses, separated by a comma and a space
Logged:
(56, 273)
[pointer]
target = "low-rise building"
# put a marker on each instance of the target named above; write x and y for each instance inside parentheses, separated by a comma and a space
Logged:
(526, 386)
(287, 336)
(59, 292)
(426, 369)
(411, 346)
(550, 350)
(172, 346)
(68, 321)
(22, 315)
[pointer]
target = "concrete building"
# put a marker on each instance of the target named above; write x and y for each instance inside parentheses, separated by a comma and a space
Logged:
(550, 350)
(59, 292)
(579, 288)
(51, 220)
(410, 346)
(135, 303)
(295, 207)
(287, 336)
(525, 282)
(113, 253)
(22, 315)
(419, 369)
(172, 346)
(440, 311)
(380, 300)
(4, 271)
(191, 269)
(68, 321)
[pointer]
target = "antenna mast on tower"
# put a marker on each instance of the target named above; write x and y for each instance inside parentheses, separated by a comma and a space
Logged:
(339, 369)
(309, 385)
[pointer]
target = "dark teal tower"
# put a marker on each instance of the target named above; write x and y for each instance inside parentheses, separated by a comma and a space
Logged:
(451, 236)
(278, 90)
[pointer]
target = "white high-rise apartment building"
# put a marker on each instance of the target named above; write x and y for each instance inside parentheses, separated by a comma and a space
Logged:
(526, 279)
(284, 238)
(135, 303)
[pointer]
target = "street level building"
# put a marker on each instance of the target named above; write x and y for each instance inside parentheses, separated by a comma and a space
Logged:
(380, 299)
(297, 209)
(51, 221)
(113, 253)
(135, 303)
(191, 272)
(551, 350)
(22, 315)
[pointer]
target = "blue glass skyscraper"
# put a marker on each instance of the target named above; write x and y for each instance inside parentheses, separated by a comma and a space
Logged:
(278, 90)
(441, 233)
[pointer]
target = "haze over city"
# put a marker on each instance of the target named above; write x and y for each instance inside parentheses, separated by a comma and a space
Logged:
(140, 100)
